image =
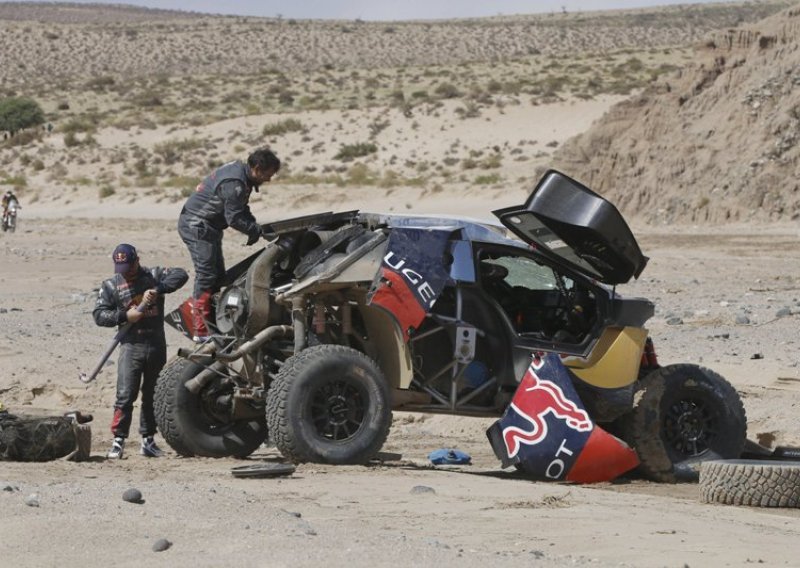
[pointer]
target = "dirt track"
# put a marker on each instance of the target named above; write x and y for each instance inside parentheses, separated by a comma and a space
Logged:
(370, 516)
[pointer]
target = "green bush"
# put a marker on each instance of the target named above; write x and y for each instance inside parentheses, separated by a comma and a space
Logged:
(348, 152)
(18, 113)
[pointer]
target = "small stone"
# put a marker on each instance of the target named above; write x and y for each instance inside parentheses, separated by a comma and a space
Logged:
(161, 545)
(783, 312)
(742, 319)
(757, 356)
(420, 489)
(32, 500)
(132, 496)
(674, 321)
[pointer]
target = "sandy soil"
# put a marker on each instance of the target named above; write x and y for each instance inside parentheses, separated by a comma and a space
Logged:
(373, 515)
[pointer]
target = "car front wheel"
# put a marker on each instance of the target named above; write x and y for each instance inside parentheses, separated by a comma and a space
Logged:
(684, 415)
(329, 404)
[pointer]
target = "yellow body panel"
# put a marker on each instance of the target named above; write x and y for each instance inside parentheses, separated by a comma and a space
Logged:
(614, 361)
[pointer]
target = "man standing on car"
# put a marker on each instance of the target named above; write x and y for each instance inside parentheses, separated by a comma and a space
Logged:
(135, 295)
(220, 201)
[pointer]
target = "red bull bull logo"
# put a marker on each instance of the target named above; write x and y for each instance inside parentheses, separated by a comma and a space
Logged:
(541, 397)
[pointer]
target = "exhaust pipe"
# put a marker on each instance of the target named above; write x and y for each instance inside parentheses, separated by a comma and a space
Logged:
(196, 384)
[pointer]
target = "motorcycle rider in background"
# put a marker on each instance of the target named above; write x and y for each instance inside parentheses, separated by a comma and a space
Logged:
(8, 198)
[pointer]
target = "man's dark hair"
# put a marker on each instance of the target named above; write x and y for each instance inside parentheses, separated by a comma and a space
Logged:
(264, 159)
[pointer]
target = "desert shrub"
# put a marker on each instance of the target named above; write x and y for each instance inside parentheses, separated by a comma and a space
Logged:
(286, 98)
(71, 140)
(23, 138)
(183, 182)
(447, 91)
(487, 179)
(397, 97)
(173, 150)
(349, 152)
(360, 174)
(470, 110)
(492, 161)
(16, 181)
(105, 191)
(237, 96)
(469, 163)
(283, 127)
(147, 99)
(377, 126)
(18, 113)
(101, 83)
(75, 125)
(494, 86)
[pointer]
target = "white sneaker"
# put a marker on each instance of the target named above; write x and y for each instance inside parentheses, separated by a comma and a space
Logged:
(149, 448)
(117, 447)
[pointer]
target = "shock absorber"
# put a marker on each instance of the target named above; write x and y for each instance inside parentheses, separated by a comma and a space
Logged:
(649, 357)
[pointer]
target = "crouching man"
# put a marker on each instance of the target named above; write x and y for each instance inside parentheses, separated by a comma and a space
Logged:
(135, 295)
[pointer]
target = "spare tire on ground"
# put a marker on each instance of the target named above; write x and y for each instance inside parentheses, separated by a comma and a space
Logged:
(753, 483)
(37, 439)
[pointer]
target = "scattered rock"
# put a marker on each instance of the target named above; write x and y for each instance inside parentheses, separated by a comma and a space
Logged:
(32, 500)
(8, 486)
(675, 321)
(742, 319)
(420, 489)
(133, 496)
(783, 312)
(161, 545)
(757, 356)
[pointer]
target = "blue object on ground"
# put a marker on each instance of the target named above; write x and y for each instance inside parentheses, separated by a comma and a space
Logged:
(449, 456)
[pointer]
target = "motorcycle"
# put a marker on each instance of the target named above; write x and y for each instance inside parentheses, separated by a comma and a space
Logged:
(10, 217)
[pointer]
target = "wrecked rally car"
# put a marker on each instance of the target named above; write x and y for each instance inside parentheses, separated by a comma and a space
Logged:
(344, 317)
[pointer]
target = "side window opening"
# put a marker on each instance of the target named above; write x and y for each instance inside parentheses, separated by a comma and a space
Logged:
(540, 302)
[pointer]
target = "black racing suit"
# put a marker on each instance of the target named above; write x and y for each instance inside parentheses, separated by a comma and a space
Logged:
(143, 350)
(220, 201)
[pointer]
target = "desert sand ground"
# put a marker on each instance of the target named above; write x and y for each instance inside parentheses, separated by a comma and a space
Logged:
(373, 515)
(728, 297)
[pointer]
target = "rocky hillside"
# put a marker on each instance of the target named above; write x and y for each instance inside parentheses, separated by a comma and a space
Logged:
(716, 142)
(47, 42)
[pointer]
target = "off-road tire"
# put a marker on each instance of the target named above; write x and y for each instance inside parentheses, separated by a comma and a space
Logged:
(187, 430)
(333, 382)
(684, 415)
(753, 483)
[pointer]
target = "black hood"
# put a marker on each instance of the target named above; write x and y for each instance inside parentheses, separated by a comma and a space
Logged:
(570, 223)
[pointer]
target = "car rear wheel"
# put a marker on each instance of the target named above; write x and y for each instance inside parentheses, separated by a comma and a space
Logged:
(329, 404)
(200, 424)
(684, 415)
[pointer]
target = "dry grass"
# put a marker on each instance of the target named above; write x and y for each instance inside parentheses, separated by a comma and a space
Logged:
(146, 98)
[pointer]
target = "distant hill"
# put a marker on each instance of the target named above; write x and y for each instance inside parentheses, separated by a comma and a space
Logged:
(51, 41)
(717, 142)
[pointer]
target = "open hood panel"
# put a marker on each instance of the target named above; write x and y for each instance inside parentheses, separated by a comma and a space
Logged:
(567, 221)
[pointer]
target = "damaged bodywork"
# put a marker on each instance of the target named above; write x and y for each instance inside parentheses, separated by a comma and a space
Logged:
(344, 317)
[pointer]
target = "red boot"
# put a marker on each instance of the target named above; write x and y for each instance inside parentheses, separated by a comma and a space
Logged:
(201, 315)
